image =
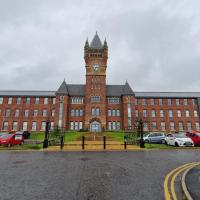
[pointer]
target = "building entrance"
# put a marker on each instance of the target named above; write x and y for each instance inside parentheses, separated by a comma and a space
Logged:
(95, 127)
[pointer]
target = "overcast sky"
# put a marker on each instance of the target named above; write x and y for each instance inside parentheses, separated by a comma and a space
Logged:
(154, 44)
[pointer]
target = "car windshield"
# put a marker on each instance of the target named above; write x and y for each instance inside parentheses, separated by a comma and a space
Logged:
(7, 136)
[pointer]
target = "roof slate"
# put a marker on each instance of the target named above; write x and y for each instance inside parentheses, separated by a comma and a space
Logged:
(96, 42)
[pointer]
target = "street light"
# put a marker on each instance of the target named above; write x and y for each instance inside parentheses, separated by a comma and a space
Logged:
(46, 141)
(141, 132)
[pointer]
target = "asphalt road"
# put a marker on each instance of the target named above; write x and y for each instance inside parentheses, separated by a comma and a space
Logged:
(124, 175)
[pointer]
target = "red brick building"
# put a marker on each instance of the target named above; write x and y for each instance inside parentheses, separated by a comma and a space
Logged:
(96, 106)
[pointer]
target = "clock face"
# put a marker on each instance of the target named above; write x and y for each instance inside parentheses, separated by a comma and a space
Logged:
(96, 67)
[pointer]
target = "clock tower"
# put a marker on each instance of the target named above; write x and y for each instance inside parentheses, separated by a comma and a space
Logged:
(95, 55)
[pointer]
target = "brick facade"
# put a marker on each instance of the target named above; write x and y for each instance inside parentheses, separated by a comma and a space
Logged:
(97, 106)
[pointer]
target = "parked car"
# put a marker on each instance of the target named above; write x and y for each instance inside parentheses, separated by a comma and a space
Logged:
(155, 138)
(3, 133)
(179, 140)
(11, 139)
(25, 134)
(195, 137)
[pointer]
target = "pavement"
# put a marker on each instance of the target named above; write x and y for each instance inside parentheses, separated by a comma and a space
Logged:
(193, 182)
(86, 175)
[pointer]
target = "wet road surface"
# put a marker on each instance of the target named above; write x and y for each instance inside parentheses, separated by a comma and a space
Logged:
(124, 175)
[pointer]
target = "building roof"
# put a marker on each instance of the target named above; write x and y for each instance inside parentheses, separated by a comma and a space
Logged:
(27, 93)
(127, 90)
(111, 90)
(62, 89)
(96, 42)
(168, 94)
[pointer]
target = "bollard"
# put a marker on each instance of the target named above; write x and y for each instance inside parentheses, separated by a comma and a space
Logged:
(62, 142)
(104, 142)
(125, 142)
(83, 142)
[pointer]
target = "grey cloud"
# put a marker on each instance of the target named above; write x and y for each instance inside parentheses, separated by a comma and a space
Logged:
(155, 45)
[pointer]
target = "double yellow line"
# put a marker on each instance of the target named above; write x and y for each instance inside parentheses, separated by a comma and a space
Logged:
(170, 193)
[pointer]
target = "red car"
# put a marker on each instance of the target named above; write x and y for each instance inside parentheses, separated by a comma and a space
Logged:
(11, 139)
(195, 137)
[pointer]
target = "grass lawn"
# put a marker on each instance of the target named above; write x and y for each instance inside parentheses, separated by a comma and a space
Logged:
(72, 136)
(157, 146)
(118, 136)
(37, 136)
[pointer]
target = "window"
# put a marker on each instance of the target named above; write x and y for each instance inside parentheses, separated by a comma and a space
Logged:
(195, 113)
(185, 102)
(18, 101)
(153, 113)
(76, 112)
(1, 100)
(95, 99)
(76, 125)
(28, 99)
(113, 125)
(37, 99)
(26, 113)
(187, 113)
(43, 126)
(113, 113)
(162, 126)
(5, 126)
(54, 100)
(72, 112)
(136, 102)
(194, 101)
(172, 127)
(109, 113)
(117, 113)
(14, 126)
(95, 112)
(178, 113)
(161, 113)
(144, 103)
(9, 100)
(34, 126)
(7, 114)
(144, 113)
(45, 101)
(35, 113)
(44, 112)
(25, 126)
(160, 102)
(197, 126)
(189, 126)
(145, 126)
(152, 102)
(169, 102)
(154, 125)
(170, 113)
(180, 126)
(77, 100)
(136, 113)
(53, 113)
(52, 125)
(177, 102)
(72, 125)
(113, 100)
(17, 113)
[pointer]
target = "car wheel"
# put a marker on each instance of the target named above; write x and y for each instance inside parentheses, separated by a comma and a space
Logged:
(9, 145)
(176, 144)
(163, 142)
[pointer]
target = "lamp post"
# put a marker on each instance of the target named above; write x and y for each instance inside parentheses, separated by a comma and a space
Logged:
(141, 132)
(46, 141)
